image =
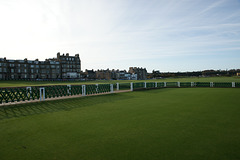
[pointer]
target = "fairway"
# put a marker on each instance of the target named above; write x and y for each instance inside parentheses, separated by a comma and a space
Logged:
(168, 123)
(12, 83)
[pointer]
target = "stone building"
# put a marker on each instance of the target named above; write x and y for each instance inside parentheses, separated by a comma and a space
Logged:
(62, 67)
(141, 72)
(103, 74)
(122, 75)
(89, 74)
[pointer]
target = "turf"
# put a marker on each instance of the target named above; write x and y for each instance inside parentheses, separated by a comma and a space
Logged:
(46, 83)
(172, 123)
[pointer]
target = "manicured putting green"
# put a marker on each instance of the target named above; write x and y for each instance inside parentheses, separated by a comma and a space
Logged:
(173, 123)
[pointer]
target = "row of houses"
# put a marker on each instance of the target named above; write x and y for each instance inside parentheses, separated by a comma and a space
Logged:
(134, 73)
(61, 67)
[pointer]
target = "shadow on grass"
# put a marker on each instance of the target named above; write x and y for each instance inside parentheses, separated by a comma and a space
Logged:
(21, 110)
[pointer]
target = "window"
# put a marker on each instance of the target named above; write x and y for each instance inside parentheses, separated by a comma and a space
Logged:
(19, 70)
(44, 71)
(25, 70)
(11, 65)
(12, 70)
(32, 70)
(0, 69)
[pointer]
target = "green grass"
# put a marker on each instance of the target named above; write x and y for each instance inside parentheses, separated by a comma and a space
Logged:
(45, 83)
(173, 123)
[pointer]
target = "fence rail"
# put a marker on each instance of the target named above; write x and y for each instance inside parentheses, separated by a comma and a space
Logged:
(19, 94)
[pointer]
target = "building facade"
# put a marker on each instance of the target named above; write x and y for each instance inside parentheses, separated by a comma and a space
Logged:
(62, 67)
(89, 75)
(108, 75)
(103, 74)
(141, 72)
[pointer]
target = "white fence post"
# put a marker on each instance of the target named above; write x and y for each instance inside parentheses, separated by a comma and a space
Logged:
(42, 94)
(83, 90)
(211, 84)
(69, 89)
(233, 84)
(111, 88)
(145, 84)
(131, 86)
(30, 91)
(192, 84)
(117, 86)
(96, 88)
(155, 84)
(179, 84)
(165, 84)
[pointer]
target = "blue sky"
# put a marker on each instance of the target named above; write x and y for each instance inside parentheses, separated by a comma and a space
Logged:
(165, 35)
